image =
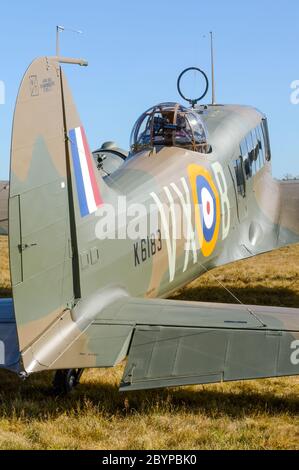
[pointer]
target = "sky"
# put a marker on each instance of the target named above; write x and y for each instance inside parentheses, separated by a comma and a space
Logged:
(136, 50)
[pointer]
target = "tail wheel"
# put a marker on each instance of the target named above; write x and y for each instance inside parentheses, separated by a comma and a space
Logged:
(66, 380)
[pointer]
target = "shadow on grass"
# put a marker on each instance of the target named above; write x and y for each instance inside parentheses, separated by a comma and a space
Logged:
(280, 297)
(34, 399)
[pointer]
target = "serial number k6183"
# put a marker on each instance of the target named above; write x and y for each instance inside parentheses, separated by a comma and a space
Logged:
(147, 248)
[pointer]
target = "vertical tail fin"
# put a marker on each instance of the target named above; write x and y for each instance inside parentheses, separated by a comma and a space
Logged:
(43, 212)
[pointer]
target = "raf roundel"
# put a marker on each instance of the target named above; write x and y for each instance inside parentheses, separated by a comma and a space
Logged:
(207, 208)
(207, 204)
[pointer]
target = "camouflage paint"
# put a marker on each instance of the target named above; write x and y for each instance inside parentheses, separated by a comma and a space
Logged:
(82, 302)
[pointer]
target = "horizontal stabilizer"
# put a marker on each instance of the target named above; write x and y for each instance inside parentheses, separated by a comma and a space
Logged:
(221, 343)
(171, 343)
(9, 346)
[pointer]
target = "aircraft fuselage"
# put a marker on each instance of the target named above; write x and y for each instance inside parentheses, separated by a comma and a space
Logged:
(232, 219)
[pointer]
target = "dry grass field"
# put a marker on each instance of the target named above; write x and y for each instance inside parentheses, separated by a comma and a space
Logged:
(4, 270)
(243, 415)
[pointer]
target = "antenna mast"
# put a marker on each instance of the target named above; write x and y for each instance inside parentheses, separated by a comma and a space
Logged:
(60, 29)
(213, 70)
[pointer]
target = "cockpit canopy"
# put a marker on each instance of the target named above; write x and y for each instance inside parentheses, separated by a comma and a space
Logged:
(171, 125)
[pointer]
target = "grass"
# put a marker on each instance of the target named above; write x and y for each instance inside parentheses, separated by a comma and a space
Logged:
(270, 279)
(4, 269)
(243, 415)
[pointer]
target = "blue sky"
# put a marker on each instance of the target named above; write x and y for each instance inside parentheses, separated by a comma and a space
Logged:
(137, 48)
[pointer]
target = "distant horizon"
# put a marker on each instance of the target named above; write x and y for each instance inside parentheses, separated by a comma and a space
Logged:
(136, 54)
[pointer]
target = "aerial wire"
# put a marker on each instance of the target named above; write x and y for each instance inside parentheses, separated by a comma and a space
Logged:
(248, 309)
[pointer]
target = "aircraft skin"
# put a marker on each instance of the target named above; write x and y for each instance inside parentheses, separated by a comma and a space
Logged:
(80, 301)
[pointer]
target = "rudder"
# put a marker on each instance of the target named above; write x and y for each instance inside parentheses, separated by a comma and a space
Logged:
(42, 225)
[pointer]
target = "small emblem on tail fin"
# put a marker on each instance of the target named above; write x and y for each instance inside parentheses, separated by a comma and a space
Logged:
(87, 188)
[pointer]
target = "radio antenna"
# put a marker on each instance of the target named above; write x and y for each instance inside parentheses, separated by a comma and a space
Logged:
(212, 70)
(60, 29)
